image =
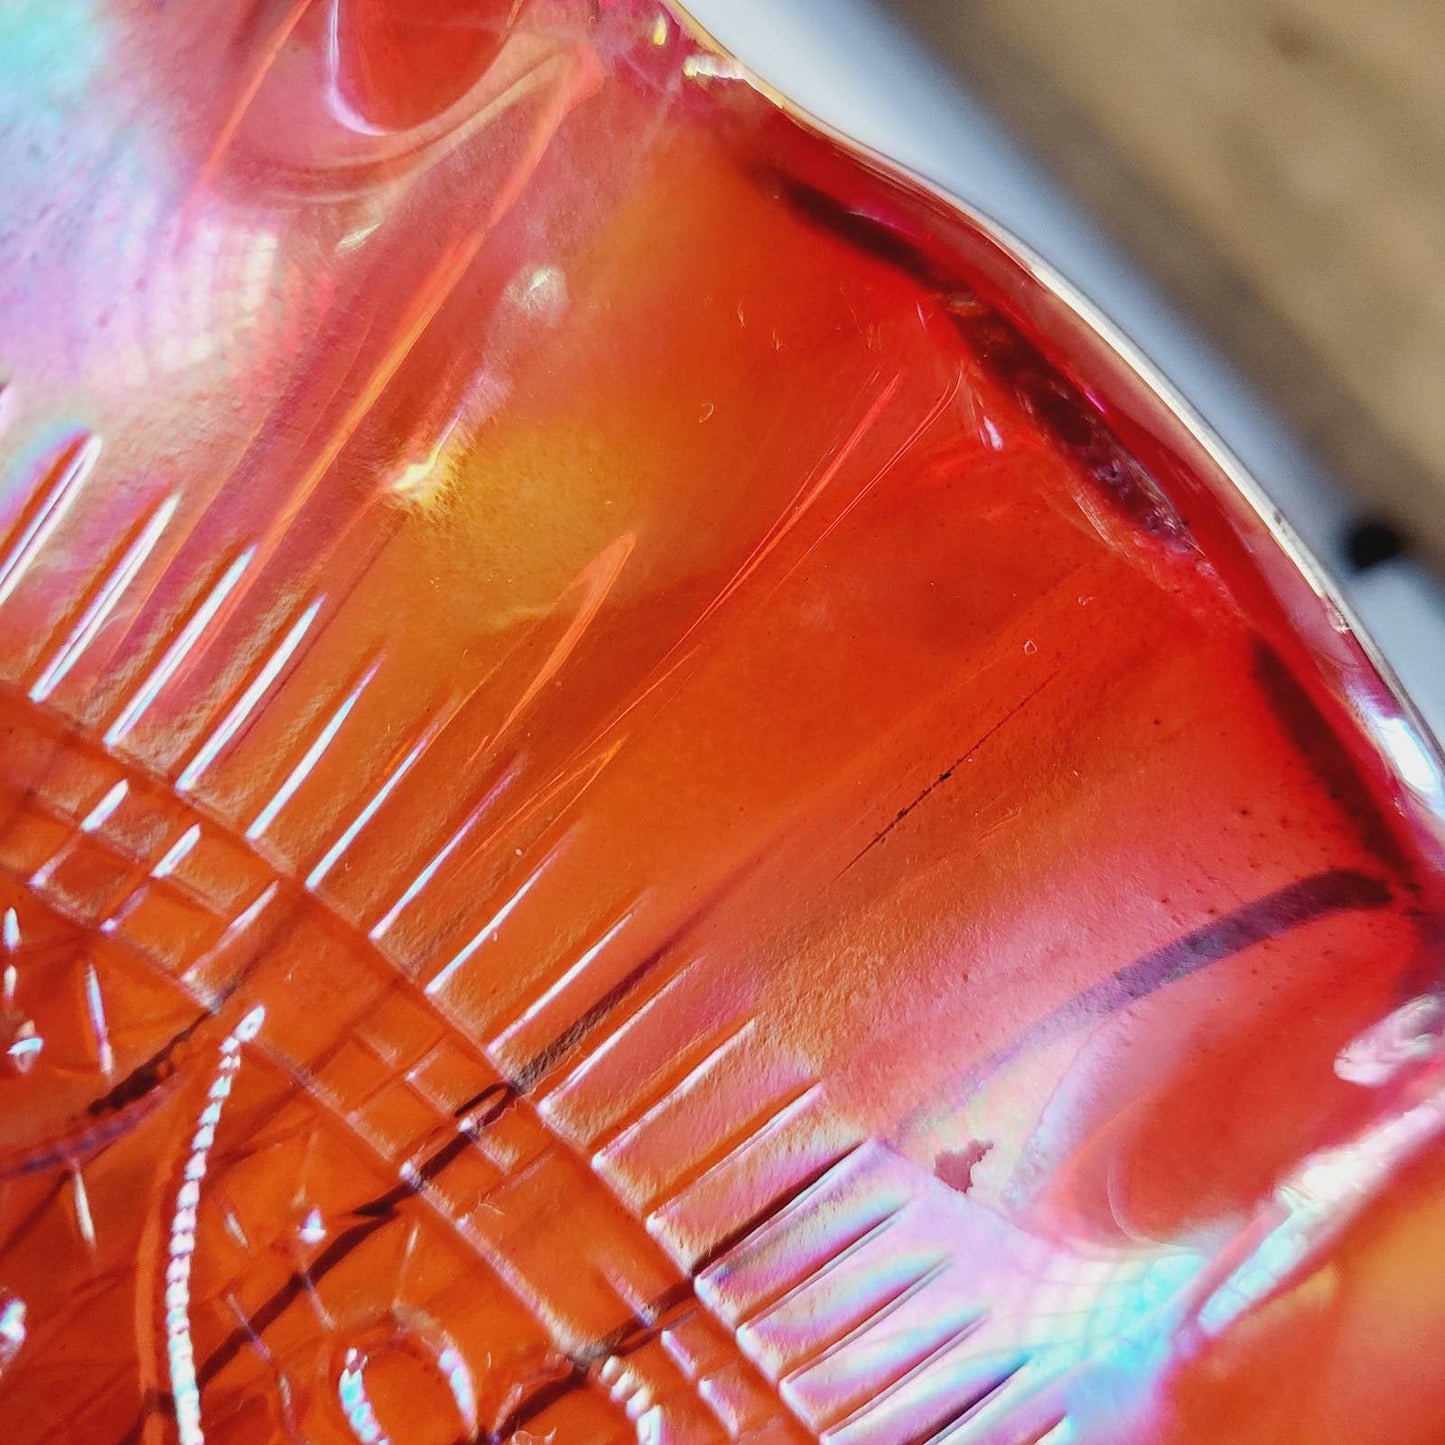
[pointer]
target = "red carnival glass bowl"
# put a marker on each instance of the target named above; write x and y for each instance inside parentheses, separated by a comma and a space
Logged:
(650, 793)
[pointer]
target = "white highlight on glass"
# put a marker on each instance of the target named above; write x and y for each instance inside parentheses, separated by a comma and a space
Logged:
(12, 1330)
(234, 720)
(47, 518)
(178, 651)
(178, 852)
(555, 990)
(488, 930)
(1411, 757)
(180, 1352)
(418, 885)
(313, 1228)
(351, 1390)
(95, 1010)
(104, 602)
(353, 829)
(312, 757)
(92, 821)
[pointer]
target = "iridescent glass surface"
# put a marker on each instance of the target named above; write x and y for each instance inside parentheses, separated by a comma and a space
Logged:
(647, 795)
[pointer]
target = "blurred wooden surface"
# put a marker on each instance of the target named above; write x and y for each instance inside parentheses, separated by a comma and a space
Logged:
(1281, 168)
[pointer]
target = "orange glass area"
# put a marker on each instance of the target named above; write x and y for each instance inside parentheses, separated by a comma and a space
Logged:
(646, 796)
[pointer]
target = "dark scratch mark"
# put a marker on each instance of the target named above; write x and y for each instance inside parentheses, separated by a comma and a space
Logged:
(113, 1114)
(475, 1115)
(374, 1215)
(132, 1100)
(577, 1033)
(573, 1037)
(1337, 890)
(865, 233)
(1077, 424)
(1276, 913)
(633, 1334)
(768, 1212)
(949, 771)
(671, 1307)
(149, 1075)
